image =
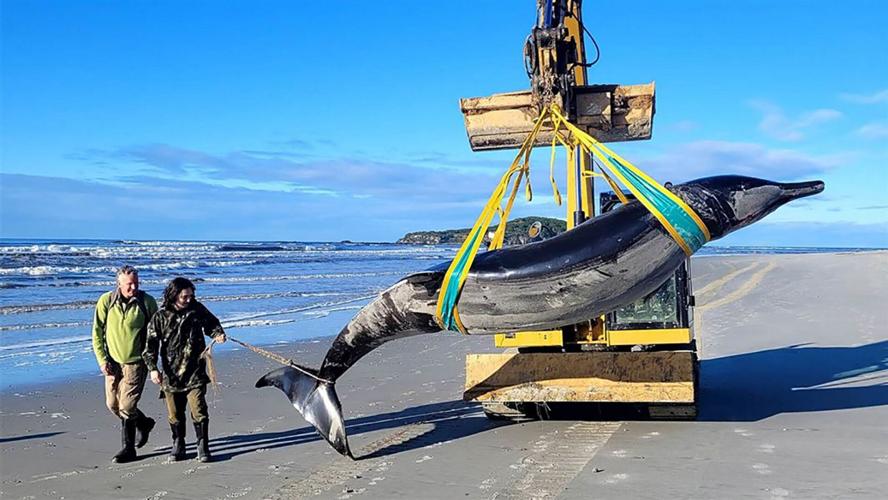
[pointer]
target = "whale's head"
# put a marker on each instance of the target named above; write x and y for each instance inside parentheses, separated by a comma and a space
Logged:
(726, 203)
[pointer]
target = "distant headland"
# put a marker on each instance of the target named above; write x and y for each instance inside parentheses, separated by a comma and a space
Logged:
(517, 233)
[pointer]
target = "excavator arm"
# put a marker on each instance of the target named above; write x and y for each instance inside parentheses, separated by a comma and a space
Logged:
(554, 55)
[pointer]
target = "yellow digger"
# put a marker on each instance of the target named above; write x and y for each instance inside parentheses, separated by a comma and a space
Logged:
(642, 354)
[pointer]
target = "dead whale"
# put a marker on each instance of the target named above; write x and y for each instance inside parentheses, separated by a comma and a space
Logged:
(602, 264)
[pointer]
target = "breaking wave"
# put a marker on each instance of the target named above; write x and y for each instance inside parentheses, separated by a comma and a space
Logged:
(228, 322)
(22, 309)
(44, 343)
(89, 304)
(293, 310)
(10, 286)
(252, 248)
(48, 270)
(41, 326)
(48, 288)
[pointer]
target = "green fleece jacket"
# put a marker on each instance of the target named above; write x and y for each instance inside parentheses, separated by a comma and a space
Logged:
(119, 327)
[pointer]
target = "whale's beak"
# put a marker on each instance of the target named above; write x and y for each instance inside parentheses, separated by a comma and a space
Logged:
(795, 190)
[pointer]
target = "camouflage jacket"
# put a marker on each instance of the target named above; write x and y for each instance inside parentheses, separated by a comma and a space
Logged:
(178, 337)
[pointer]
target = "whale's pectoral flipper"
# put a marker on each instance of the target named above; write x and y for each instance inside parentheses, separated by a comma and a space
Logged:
(315, 400)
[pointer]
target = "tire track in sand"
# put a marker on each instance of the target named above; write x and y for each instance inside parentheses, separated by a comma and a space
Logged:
(343, 470)
(737, 294)
(557, 458)
(720, 282)
(741, 291)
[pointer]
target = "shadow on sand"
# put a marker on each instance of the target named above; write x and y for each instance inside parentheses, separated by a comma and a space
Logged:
(442, 422)
(798, 378)
(25, 437)
(743, 387)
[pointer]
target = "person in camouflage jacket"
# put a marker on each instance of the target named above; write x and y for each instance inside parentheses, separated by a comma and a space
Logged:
(176, 335)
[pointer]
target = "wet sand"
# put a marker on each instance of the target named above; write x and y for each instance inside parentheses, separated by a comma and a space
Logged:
(794, 400)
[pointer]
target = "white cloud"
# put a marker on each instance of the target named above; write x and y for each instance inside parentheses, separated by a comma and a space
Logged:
(682, 126)
(388, 197)
(705, 158)
(355, 177)
(171, 208)
(176, 209)
(874, 98)
(873, 131)
(776, 124)
(817, 234)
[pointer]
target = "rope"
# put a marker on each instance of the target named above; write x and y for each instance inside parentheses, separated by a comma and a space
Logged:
(207, 355)
(268, 354)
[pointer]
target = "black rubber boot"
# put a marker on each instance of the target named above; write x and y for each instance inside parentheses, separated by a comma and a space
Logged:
(143, 429)
(177, 451)
(128, 440)
(202, 429)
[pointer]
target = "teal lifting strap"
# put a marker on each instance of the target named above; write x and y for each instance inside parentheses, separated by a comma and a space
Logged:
(679, 218)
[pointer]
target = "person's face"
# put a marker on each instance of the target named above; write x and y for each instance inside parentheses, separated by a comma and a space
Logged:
(128, 284)
(183, 300)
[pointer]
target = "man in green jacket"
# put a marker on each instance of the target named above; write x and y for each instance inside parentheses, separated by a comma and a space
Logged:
(119, 331)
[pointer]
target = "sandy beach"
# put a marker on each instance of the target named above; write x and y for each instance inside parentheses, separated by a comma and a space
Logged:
(794, 400)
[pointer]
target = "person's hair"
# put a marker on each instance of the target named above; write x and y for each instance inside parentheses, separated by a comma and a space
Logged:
(127, 270)
(174, 288)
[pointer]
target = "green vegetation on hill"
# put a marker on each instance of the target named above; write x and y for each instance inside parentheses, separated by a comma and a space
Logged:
(516, 233)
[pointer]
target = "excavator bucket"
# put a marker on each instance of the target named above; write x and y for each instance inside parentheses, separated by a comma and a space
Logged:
(610, 113)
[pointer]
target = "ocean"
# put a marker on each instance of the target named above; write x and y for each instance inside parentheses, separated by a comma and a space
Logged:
(264, 292)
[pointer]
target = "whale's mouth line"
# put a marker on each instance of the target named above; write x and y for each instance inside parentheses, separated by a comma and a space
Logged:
(796, 190)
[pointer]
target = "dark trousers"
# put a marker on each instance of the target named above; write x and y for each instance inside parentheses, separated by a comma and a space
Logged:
(196, 399)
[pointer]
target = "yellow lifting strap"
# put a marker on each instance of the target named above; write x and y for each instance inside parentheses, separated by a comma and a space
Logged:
(446, 314)
(679, 220)
(682, 223)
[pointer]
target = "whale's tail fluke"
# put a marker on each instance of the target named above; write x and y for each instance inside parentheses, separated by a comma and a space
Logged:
(315, 400)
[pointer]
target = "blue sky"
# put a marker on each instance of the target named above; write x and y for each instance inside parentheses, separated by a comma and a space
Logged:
(291, 121)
